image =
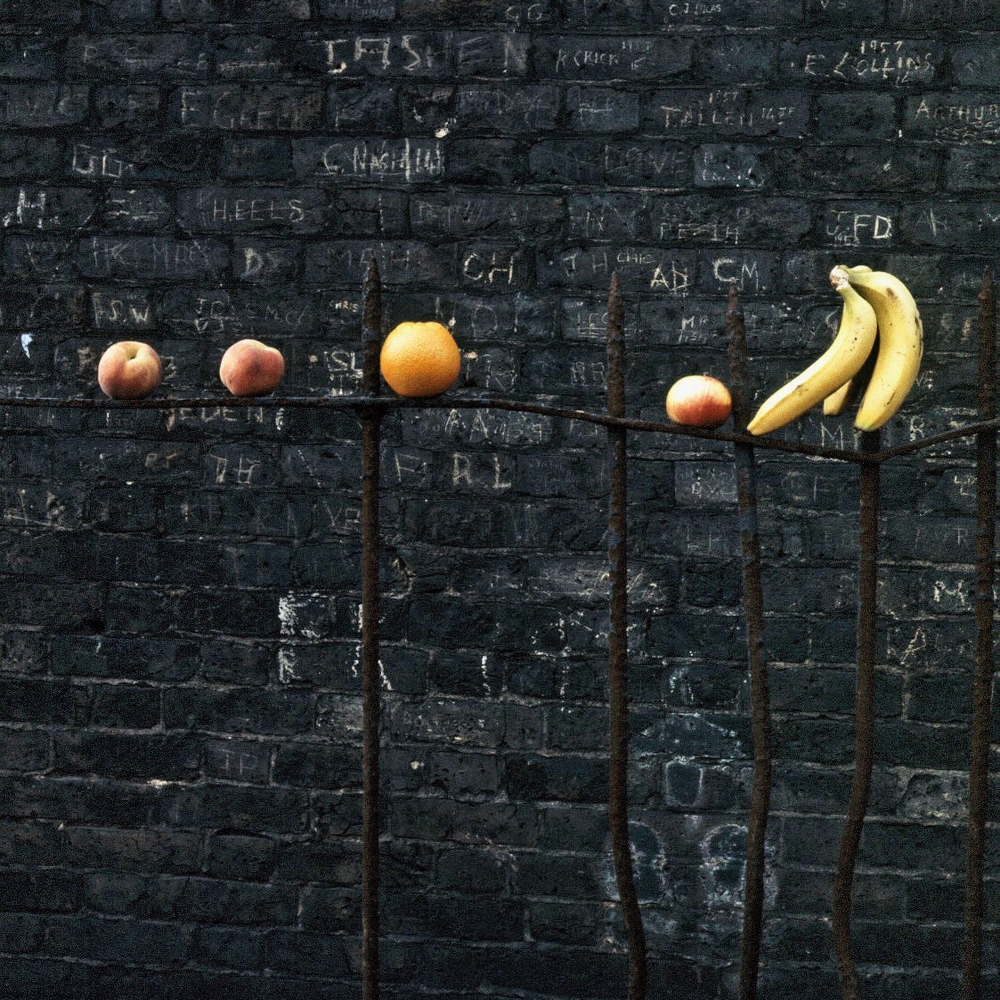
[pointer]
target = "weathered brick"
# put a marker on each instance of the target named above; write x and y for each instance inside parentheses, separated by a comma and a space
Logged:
(229, 209)
(861, 167)
(317, 766)
(232, 948)
(239, 710)
(150, 758)
(842, 12)
(511, 823)
(248, 109)
(142, 983)
(602, 109)
(251, 808)
(707, 13)
(24, 750)
(220, 901)
(580, 162)
(306, 953)
(111, 14)
(569, 923)
(596, 57)
(727, 165)
(738, 59)
(868, 62)
(410, 263)
(24, 12)
(914, 12)
(139, 850)
(22, 933)
(42, 105)
(241, 856)
(150, 57)
(438, 916)
(709, 113)
(324, 863)
(539, 965)
(117, 939)
(564, 779)
(52, 891)
(352, 10)
(256, 159)
(389, 161)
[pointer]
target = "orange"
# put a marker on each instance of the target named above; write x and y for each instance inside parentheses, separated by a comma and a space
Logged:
(420, 359)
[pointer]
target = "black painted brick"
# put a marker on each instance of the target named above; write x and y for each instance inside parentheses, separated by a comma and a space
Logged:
(306, 953)
(461, 917)
(239, 710)
(116, 940)
(232, 948)
(118, 755)
(316, 766)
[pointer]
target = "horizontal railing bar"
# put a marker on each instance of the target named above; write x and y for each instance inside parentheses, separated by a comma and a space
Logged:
(361, 401)
(966, 430)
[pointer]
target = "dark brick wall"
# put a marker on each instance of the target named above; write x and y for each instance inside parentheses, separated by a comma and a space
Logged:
(179, 632)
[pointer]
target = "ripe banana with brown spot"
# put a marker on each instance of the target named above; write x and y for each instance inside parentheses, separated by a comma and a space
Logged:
(900, 344)
(844, 398)
(837, 365)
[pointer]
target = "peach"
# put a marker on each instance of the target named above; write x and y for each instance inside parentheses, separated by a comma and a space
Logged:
(250, 368)
(129, 369)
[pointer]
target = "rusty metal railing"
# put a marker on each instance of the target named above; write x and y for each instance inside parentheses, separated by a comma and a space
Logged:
(864, 717)
(370, 408)
(982, 684)
(760, 700)
(371, 676)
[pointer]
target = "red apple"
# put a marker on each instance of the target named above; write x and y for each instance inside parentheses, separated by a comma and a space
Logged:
(129, 370)
(250, 368)
(699, 401)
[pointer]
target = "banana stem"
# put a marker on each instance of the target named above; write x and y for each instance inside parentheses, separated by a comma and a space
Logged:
(864, 733)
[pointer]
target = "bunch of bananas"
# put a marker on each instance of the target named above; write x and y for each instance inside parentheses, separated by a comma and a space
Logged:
(876, 354)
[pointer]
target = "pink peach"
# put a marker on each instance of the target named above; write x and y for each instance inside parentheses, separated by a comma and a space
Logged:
(251, 368)
(129, 369)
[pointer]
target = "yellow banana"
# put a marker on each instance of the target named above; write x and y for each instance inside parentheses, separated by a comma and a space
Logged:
(900, 345)
(837, 401)
(841, 400)
(837, 365)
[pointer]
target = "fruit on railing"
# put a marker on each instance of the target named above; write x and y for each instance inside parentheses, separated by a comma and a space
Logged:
(129, 369)
(880, 367)
(699, 401)
(900, 345)
(838, 364)
(420, 359)
(251, 368)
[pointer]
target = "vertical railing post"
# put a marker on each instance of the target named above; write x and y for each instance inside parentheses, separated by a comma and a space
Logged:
(371, 681)
(864, 733)
(618, 653)
(982, 683)
(760, 700)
